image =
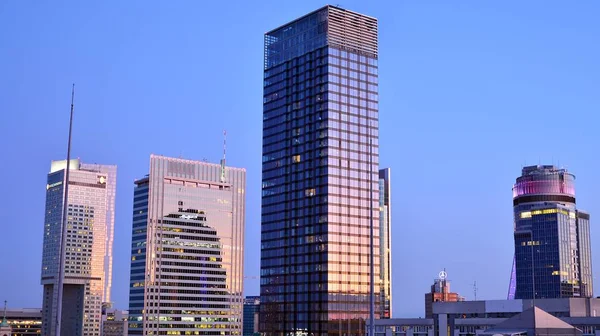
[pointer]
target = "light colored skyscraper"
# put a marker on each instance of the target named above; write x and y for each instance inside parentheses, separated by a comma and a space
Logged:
(114, 322)
(320, 186)
(187, 249)
(87, 254)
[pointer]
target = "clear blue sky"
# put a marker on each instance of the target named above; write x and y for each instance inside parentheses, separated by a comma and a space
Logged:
(470, 91)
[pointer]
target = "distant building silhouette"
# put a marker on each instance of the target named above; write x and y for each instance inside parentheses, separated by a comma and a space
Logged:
(440, 292)
(251, 311)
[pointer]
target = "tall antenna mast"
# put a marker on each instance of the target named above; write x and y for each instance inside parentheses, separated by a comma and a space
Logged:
(475, 289)
(61, 272)
(371, 243)
(4, 319)
(223, 159)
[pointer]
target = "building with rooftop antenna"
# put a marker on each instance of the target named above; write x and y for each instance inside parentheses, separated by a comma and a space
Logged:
(24, 321)
(5, 328)
(187, 249)
(440, 292)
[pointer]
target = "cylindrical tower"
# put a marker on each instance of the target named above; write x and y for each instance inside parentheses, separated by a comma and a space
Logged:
(552, 253)
(539, 184)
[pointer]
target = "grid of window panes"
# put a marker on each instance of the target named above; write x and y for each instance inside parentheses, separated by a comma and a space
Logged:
(294, 201)
(85, 246)
(191, 289)
(251, 309)
(353, 184)
(585, 254)
(187, 247)
(52, 224)
(554, 249)
(110, 181)
(138, 257)
(51, 248)
(385, 243)
(304, 35)
(320, 189)
(86, 241)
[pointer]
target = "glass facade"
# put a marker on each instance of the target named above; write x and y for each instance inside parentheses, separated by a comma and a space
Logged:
(87, 254)
(552, 241)
(251, 311)
(385, 241)
(187, 249)
(111, 190)
(320, 187)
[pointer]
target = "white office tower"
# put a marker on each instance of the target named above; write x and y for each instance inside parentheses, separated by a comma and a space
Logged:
(187, 249)
(86, 256)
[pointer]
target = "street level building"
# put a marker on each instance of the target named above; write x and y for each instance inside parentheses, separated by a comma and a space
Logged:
(24, 321)
(470, 318)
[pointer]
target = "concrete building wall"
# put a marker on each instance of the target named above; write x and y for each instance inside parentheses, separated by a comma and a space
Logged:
(474, 317)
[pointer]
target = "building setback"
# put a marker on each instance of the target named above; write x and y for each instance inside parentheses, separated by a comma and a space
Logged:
(187, 249)
(551, 231)
(320, 185)
(87, 254)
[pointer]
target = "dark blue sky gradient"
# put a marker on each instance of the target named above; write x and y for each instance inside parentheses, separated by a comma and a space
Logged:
(470, 92)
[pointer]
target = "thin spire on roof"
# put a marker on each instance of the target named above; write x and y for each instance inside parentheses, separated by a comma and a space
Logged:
(4, 321)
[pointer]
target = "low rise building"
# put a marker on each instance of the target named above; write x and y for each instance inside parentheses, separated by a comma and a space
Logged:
(440, 292)
(533, 321)
(24, 321)
(470, 318)
(403, 327)
(114, 322)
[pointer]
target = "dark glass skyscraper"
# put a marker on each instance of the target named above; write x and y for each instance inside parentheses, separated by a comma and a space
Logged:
(385, 242)
(251, 312)
(552, 237)
(320, 187)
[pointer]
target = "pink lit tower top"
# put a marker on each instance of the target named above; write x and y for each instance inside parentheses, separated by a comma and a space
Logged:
(544, 184)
